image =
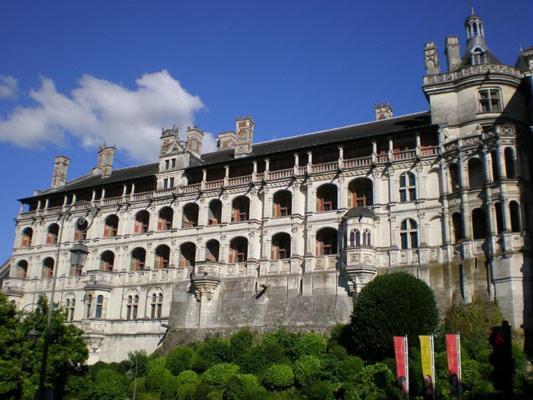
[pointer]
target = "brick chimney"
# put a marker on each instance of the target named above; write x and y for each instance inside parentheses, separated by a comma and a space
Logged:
(383, 111)
(105, 161)
(453, 56)
(59, 174)
(194, 141)
(226, 140)
(244, 131)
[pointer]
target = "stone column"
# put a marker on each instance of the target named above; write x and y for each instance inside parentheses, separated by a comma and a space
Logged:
(202, 212)
(343, 193)
(443, 186)
(465, 211)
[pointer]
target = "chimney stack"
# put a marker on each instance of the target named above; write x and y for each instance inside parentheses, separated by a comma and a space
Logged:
(383, 111)
(453, 56)
(244, 131)
(194, 141)
(431, 59)
(105, 161)
(226, 140)
(59, 175)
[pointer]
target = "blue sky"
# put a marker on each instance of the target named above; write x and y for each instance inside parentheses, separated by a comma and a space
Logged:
(75, 74)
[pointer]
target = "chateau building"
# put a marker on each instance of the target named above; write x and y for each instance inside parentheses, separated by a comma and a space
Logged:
(287, 232)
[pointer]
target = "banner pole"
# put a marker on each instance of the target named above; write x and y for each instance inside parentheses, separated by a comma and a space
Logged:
(459, 366)
(433, 368)
(406, 366)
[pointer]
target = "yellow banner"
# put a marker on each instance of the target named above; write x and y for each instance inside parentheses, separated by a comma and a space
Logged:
(426, 350)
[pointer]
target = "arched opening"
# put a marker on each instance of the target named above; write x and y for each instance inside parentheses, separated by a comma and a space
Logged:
(516, 223)
(162, 256)
(88, 305)
(475, 173)
(215, 212)
(190, 215)
(212, 250)
(164, 222)
(132, 307)
(409, 234)
(80, 229)
(53, 233)
(407, 187)
(142, 221)
(326, 197)
(457, 222)
(510, 163)
(27, 236)
(21, 269)
(240, 209)
(48, 268)
(326, 242)
(454, 178)
(111, 226)
(479, 224)
(238, 250)
(107, 261)
(138, 259)
(360, 192)
(281, 246)
(499, 217)
(187, 254)
(156, 305)
(70, 307)
(99, 307)
(282, 204)
(355, 238)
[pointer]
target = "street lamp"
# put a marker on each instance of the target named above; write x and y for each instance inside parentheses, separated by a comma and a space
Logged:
(78, 255)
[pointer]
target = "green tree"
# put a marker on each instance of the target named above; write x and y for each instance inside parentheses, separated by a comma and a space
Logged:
(180, 359)
(278, 377)
(20, 355)
(392, 304)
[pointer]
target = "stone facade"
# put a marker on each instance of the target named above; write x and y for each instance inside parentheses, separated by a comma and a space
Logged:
(286, 233)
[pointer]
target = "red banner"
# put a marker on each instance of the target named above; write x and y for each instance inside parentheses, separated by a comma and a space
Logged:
(402, 367)
(453, 349)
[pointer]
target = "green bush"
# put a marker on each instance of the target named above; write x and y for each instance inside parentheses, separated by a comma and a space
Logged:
(306, 369)
(278, 377)
(157, 377)
(284, 339)
(240, 342)
(392, 304)
(259, 358)
(179, 359)
(348, 369)
(186, 391)
(219, 374)
(214, 351)
(138, 363)
(244, 387)
(320, 390)
(188, 377)
(311, 344)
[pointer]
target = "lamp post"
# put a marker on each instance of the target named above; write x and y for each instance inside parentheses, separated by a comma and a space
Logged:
(78, 255)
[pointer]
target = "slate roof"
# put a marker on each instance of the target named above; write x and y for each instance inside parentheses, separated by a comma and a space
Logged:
(357, 212)
(304, 141)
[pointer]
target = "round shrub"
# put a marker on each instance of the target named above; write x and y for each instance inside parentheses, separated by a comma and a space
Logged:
(393, 304)
(180, 359)
(278, 376)
(258, 358)
(214, 351)
(306, 369)
(320, 390)
(283, 339)
(157, 378)
(188, 377)
(349, 368)
(138, 362)
(219, 374)
(186, 391)
(311, 344)
(244, 387)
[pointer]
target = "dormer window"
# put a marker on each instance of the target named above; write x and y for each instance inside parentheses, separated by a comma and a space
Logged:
(173, 163)
(489, 100)
(167, 164)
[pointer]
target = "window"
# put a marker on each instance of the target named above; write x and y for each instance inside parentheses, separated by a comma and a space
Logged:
(107, 261)
(142, 219)
(479, 224)
(409, 234)
(367, 238)
(499, 217)
(162, 256)
(165, 183)
(69, 307)
(489, 100)
(457, 222)
(156, 306)
(88, 305)
(173, 161)
(509, 163)
(48, 268)
(21, 269)
(214, 212)
(187, 254)
(240, 209)
(138, 259)
(475, 173)
(212, 250)
(326, 197)
(80, 229)
(514, 210)
(99, 307)
(454, 178)
(111, 226)
(53, 233)
(282, 204)
(27, 235)
(238, 250)
(407, 187)
(166, 214)
(132, 307)
(167, 164)
(190, 215)
(281, 246)
(360, 192)
(171, 183)
(326, 242)
(357, 239)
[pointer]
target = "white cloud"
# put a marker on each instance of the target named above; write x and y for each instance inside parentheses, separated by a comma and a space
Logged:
(8, 87)
(99, 111)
